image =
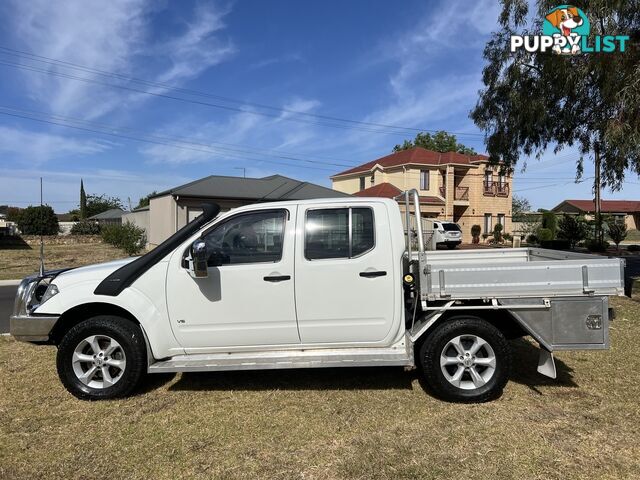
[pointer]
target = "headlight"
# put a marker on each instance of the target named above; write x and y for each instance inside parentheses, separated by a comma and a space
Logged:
(51, 291)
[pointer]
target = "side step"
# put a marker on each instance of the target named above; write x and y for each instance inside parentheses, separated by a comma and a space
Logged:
(342, 357)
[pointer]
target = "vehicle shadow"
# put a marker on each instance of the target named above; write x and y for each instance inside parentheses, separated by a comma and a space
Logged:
(525, 363)
(354, 378)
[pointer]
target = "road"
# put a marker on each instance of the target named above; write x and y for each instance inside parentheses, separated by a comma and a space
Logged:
(7, 295)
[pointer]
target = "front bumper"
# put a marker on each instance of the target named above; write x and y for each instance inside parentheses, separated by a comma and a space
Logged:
(26, 325)
(32, 328)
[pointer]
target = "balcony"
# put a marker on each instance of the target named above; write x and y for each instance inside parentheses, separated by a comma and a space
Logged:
(489, 189)
(461, 193)
(502, 189)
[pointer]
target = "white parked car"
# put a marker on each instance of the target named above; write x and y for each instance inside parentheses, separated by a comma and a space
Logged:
(316, 283)
(446, 233)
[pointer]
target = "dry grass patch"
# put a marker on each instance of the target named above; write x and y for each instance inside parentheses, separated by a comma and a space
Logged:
(18, 263)
(324, 424)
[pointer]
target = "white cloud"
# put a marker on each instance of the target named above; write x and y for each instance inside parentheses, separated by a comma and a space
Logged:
(197, 49)
(112, 36)
(101, 35)
(37, 147)
(254, 131)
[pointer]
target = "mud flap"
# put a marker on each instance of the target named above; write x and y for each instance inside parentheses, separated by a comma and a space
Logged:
(546, 364)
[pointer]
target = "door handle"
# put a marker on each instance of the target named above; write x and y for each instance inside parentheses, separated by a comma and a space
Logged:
(277, 278)
(380, 273)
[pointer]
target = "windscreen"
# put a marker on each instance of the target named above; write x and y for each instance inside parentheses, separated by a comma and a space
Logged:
(451, 227)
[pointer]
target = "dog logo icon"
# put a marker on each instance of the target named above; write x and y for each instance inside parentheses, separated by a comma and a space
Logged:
(567, 21)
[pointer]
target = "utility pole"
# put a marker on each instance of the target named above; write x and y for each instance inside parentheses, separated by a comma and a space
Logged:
(244, 171)
(41, 238)
(598, 203)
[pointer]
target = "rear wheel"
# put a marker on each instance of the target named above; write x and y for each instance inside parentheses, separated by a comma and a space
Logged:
(103, 357)
(451, 246)
(466, 359)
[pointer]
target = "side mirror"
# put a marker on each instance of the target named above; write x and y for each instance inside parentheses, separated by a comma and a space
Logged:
(198, 261)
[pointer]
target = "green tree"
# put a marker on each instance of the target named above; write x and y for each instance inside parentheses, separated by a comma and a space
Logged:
(573, 229)
(13, 214)
(617, 232)
(40, 220)
(101, 203)
(144, 201)
(532, 101)
(83, 202)
(519, 206)
(550, 222)
(438, 142)
(497, 233)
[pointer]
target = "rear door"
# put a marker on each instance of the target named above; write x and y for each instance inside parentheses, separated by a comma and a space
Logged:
(344, 280)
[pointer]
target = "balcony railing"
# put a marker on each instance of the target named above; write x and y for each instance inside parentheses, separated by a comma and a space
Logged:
(489, 189)
(495, 189)
(502, 189)
(461, 193)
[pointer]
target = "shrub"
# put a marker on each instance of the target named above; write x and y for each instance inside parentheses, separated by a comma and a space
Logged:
(507, 237)
(485, 236)
(573, 229)
(38, 221)
(550, 222)
(475, 233)
(85, 228)
(633, 248)
(128, 237)
(617, 232)
(497, 233)
(594, 245)
(533, 238)
(544, 234)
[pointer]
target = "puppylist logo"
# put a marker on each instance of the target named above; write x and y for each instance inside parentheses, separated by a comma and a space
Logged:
(565, 30)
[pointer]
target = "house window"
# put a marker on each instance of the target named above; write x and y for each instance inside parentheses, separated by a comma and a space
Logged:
(424, 180)
(488, 177)
(502, 180)
(362, 183)
(327, 233)
(500, 219)
(488, 226)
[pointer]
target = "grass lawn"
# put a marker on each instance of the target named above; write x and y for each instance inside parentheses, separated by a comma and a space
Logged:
(349, 423)
(20, 263)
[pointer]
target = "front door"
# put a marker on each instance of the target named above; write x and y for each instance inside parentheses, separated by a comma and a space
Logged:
(248, 297)
(346, 283)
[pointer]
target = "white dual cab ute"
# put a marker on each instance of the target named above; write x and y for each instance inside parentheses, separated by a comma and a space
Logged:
(315, 283)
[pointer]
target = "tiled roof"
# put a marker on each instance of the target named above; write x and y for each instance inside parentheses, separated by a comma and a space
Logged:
(608, 206)
(274, 187)
(387, 190)
(419, 156)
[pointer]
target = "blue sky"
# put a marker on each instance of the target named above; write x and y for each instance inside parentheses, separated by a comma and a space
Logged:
(412, 64)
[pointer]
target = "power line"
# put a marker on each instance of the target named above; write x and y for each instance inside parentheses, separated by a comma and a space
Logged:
(158, 142)
(350, 125)
(76, 66)
(191, 141)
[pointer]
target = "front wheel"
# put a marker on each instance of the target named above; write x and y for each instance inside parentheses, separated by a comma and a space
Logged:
(466, 359)
(101, 358)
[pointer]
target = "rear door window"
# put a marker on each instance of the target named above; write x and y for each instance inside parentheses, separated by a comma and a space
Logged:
(338, 233)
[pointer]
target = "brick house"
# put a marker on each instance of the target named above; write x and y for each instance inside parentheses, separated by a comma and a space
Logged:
(464, 189)
(627, 211)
